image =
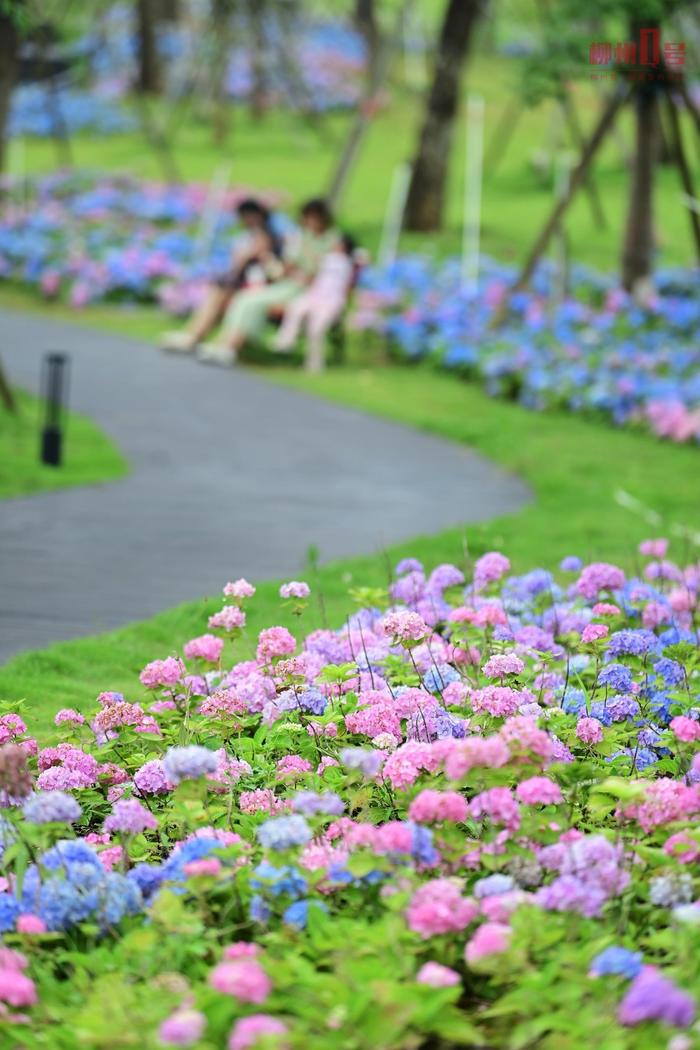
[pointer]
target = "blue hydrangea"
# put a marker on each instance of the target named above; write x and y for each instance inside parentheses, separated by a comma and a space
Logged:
(313, 701)
(615, 960)
(622, 708)
(617, 676)
(671, 671)
(283, 881)
(189, 763)
(148, 878)
(633, 642)
(571, 564)
(194, 849)
(493, 885)
(259, 909)
(51, 807)
(297, 914)
(437, 678)
(422, 849)
(574, 702)
(284, 832)
(9, 910)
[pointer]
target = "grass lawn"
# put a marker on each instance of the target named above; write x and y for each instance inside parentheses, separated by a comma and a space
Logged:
(89, 455)
(574, 466)
(283, 153)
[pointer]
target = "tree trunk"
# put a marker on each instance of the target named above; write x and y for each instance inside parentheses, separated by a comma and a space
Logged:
(257, 11)
(170, 10)
(9, 65)
(424, 208)
(365, 19)
(638, 249)
(149, 73)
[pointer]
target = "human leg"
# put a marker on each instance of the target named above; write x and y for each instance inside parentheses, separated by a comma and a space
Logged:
(295, 314)
(205, 317)
(324, 315)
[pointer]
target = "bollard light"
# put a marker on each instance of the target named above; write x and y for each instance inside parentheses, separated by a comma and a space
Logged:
(54, 385)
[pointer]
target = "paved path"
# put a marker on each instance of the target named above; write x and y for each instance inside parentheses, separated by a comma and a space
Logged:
(230, 476)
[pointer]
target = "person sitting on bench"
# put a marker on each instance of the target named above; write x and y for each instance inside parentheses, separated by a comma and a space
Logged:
(256, 260)
(249, 313)
(321, 305)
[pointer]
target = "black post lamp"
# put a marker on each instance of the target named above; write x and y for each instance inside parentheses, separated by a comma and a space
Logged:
(54, 385)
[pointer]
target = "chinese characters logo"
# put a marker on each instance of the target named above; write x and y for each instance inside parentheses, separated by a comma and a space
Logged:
(643, 55)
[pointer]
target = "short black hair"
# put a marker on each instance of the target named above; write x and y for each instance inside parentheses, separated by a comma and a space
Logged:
(317, 206)
(348, 242)
(251, 206)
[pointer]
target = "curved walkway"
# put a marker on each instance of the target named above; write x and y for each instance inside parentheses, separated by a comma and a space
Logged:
(230, 476)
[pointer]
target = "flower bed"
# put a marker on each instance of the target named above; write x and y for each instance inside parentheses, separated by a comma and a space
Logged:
(326, 62)
(594, 352)
(92, 239)
(466, 818)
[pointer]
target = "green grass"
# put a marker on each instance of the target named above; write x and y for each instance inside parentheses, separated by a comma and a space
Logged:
(89, 455)
(574, 467)
(282, 153)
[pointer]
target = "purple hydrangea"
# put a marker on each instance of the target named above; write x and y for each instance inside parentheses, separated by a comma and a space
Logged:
(309, 802)
(652, 997)
(129, 816)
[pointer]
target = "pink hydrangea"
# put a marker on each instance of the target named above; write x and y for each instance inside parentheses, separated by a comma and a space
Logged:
(682, 848)
(11, 726)
(405, 627)
(295, 589)
(248, 1031)
(685, 729)
(605, 609)
(16, 988)
(474, 752)
(498, 700)
(31, 925)
(599, 576)
(502, 664)
(499, 805)
(162, 672)
(244, 979)
(239, 590)
(206, 866)
(490, 568)
(292, 766)
(538, 791)
(151, 778)
(68, 714)
(273, 643)
(656, 548)
(665, 801)
(491, 938)
(183, 1028)
(206, 647)
(430, 806)
(230, 618)
(241, 950)
(589, 730)
(261, 800)
(438, 907)
(593, 632)
(437, 976)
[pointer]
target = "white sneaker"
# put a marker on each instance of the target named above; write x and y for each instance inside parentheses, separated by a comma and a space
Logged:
(177, 342)
(216, 354)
